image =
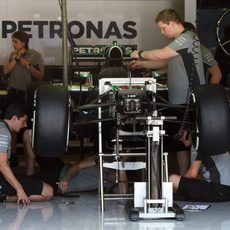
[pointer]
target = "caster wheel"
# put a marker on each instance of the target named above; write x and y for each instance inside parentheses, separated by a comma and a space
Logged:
(134, 215)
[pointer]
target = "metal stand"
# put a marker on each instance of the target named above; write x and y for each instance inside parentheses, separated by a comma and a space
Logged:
(153, 199)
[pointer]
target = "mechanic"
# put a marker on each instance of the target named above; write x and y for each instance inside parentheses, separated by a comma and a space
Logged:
(25, 65)
(80, 176)
(184, 62)
(17, 188)
(213, 182)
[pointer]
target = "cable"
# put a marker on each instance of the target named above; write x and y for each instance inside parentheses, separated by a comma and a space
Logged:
(186, 118)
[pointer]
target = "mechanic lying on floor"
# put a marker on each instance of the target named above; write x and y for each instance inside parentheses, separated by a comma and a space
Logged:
(17, 188)
(81, 176)
(213, 185)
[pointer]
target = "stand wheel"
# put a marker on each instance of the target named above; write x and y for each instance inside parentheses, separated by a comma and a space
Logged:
(134, 215)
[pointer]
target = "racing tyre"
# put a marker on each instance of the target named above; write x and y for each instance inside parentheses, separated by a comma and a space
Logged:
(29, 99)
(213, 119)
(51, 121)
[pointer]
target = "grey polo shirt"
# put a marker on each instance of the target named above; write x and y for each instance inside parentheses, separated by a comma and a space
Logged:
(180, 68)
(20, 76)
(5, 139)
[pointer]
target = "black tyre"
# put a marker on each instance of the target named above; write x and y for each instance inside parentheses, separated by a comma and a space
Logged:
(213, 119)
(29, 99)
(51, 121)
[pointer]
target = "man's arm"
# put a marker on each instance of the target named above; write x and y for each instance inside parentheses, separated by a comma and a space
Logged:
(148, 64)
(38, 73)
(85, 163)
(152, 59)
(155, 54)
(14, 58)
(215, 74)
(193, 170)
(194, 167)
(9, 66)
(211, 65)
(9, 176)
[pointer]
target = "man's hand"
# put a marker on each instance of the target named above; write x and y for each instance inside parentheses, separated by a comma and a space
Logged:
(186, 139)
(24, 62)
(22, 52)
(135, 54)
(134, 64)
(63, 185)
(22, 197)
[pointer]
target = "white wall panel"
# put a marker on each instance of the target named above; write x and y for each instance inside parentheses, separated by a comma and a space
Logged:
(29, 12)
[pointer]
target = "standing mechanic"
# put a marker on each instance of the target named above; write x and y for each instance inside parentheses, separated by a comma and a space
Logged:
(183, 58)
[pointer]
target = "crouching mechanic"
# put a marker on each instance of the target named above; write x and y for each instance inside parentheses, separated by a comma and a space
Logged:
(17, 188)
(213, 183)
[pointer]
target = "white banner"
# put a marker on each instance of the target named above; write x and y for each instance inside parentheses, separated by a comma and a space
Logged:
(90, 23)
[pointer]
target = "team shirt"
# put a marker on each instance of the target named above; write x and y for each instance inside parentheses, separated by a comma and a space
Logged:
(20, 76)
(187, 65)
(5, 139)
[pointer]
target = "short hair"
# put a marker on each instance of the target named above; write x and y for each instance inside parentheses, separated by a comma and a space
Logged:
(189, 26)
(15, 109)
(168, 15)
(22, 36)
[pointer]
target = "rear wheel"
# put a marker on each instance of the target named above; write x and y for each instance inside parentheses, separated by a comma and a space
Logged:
(51, 121)
(213, 119)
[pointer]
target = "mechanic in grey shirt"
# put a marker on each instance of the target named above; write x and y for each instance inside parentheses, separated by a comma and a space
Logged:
(183, 58)
(25, 64)
(15, 187)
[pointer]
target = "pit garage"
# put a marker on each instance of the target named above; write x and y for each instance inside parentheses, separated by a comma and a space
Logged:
(92, 102)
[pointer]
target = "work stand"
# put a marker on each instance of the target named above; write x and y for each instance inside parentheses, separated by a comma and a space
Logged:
(153, 198)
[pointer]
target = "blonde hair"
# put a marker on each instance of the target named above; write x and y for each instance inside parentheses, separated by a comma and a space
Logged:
(168, 15)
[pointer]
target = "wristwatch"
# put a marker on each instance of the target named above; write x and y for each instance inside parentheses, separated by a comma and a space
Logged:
(139, 53)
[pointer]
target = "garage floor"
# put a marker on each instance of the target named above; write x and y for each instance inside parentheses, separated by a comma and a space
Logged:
(84, 213)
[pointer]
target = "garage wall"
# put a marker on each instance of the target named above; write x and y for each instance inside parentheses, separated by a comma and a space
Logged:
(91, 22)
